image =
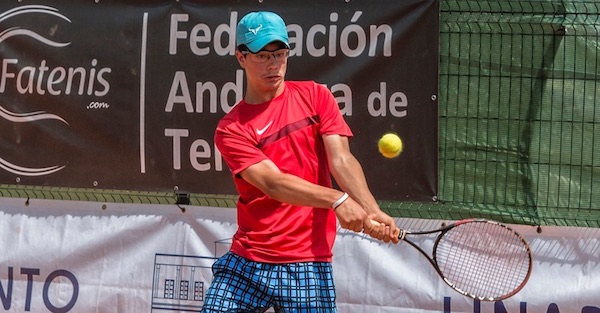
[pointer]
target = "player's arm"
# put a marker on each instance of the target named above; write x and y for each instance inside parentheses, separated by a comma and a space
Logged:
(349, 175)
(267, 177)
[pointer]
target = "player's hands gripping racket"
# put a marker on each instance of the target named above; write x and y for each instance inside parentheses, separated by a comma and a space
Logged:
(482, 259)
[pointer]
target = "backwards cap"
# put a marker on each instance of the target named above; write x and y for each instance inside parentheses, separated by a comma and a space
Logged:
(258, 29)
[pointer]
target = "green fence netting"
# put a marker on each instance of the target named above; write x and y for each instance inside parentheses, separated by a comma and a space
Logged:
(519, 119)
(518, 109)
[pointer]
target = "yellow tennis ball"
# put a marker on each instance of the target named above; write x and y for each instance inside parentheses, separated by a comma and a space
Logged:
(390, 145)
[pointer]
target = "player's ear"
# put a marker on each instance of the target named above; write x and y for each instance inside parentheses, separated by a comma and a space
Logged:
(241, 58)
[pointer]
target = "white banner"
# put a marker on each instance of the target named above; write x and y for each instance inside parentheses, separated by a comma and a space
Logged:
(85, 257)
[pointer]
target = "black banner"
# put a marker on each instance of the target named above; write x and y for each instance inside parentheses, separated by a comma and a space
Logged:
(127, 94)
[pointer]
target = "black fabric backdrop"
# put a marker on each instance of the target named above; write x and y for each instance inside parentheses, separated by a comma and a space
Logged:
(126, 94)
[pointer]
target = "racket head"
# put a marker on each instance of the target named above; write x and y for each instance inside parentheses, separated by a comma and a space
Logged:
(483, 259)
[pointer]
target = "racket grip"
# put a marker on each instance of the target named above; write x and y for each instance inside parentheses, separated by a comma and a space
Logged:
(401, 233)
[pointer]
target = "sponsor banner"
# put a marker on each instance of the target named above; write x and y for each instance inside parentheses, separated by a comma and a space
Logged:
(67, 256)
(126, 94)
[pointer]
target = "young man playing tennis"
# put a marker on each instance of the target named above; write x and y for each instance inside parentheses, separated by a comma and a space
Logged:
(282, 143)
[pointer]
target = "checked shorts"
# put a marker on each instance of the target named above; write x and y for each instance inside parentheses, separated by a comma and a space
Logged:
(243, 286)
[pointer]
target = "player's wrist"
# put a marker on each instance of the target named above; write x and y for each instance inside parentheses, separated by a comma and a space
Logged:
(340, 200)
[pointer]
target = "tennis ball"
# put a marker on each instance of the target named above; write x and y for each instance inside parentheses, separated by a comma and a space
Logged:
(390, 145)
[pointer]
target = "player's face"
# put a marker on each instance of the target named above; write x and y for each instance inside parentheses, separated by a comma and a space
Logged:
(265, 70)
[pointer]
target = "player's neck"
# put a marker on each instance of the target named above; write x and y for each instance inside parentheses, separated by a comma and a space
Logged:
(254, 96)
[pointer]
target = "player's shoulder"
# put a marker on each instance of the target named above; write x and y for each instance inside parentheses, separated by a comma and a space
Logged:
(305, 86)
(231, 117)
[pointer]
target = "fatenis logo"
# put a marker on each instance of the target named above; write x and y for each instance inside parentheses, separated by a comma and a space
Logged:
(30, 9)
(28, 117)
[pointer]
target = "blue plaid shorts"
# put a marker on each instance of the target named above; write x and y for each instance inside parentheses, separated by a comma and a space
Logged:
(243, 286)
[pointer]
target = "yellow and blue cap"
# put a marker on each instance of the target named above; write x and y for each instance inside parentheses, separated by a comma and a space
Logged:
(257, 29)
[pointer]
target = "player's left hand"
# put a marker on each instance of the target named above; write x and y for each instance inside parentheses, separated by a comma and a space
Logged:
(381, 226)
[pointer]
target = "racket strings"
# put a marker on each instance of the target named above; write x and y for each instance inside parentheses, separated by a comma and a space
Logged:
(484, 260)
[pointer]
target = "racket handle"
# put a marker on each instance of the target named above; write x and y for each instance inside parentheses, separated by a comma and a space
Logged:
(401, 233)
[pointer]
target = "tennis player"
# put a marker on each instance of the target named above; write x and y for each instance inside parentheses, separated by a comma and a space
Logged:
(283, 142)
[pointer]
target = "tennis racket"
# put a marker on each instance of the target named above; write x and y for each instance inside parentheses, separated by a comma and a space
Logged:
(481, 259)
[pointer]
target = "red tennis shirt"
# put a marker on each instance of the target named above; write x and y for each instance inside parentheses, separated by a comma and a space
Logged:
(287, 130)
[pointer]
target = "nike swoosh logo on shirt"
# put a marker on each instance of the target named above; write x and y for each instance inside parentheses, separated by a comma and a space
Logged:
(264, 129)
(287, 130)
